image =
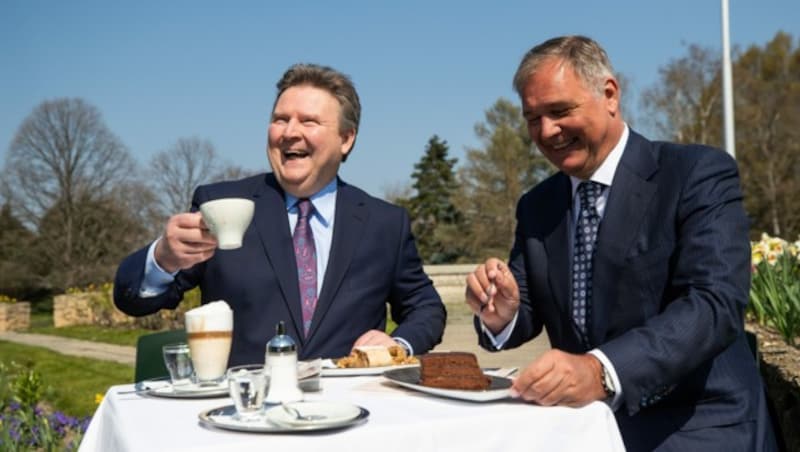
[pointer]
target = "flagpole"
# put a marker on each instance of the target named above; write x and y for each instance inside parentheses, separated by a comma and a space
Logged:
(727, 83)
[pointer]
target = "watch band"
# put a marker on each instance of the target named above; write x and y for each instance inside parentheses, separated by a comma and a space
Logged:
(607, 382)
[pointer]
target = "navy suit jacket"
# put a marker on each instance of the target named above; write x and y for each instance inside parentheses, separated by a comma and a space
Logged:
(670, 283)
(373, 260)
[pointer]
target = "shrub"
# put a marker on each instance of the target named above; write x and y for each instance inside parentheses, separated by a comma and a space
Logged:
(7, 299)
(775, 285)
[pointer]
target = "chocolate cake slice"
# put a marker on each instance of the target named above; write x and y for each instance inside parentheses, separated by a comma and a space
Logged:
(452, 370)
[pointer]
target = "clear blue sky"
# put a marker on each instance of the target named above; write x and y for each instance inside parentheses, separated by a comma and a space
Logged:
(162, 70)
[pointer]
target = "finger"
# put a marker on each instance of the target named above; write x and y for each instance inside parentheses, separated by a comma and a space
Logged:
(552, 391)
(534, 372)
(189, 220)
(476, 295)
(494, 267)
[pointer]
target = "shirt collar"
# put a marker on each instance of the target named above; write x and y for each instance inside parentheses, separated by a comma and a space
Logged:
(605, 173)
(324, 202)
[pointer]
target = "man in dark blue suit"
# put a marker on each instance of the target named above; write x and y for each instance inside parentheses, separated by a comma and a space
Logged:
(635, 258)
(364, 251)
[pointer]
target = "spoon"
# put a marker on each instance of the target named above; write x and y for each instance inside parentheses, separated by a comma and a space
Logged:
(300, 417)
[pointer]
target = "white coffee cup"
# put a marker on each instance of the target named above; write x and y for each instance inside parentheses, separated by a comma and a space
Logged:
(228, 219)
(209, 330)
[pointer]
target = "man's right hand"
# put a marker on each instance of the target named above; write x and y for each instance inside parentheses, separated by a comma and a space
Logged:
(186, 242)
(493, 294)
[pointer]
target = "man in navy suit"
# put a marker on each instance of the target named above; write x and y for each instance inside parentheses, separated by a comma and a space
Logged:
(365, 253)
(643, 301)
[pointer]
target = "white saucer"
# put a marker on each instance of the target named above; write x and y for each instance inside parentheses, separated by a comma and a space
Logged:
(188, 391)
(198, 388)
(334, 413)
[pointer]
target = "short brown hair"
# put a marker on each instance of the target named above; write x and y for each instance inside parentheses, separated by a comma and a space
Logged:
(336, 83)
(585, 56)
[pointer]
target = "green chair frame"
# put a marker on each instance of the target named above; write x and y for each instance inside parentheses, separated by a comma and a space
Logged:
(149, 358)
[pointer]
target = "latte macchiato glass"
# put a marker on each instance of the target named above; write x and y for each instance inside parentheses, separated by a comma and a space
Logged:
(209, 329)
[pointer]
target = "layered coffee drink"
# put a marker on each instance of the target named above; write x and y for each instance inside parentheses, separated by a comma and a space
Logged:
(209, 329)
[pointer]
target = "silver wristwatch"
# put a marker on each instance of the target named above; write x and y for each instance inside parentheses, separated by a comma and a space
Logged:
(608, 382)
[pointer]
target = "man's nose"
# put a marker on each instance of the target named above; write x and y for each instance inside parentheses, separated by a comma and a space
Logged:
(549, 128)
(292, 129)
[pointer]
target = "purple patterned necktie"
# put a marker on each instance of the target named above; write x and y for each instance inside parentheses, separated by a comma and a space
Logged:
(306, 256)
(583, 255)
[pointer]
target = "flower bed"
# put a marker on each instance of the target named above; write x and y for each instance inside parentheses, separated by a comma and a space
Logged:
(780, 369)
(775, 310)
(26, 422)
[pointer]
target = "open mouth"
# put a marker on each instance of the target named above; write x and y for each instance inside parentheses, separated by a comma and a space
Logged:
(558, 147)
(293, 154)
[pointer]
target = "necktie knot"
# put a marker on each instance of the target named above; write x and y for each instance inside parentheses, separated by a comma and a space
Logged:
(588, 192)
(304, 207)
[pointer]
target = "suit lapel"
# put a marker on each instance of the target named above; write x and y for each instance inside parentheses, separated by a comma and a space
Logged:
(350, 219)
(631, 192)
(556, 243)
(272, 225)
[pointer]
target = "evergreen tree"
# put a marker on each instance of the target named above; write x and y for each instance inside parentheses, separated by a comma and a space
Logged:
(435, 219)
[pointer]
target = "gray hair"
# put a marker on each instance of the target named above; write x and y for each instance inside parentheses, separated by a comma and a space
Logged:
(585, 56)
(336, 83)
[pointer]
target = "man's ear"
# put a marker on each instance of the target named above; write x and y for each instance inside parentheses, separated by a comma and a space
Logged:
(611, 95)
(348, 139)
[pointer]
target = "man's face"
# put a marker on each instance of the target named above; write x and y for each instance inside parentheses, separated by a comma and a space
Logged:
(305, 147)
(574, 127)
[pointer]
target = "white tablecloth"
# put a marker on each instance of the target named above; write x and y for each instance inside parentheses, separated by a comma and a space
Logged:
(400, 420)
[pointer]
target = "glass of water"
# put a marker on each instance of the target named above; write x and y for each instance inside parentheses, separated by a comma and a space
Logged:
(248, 386)
(178, 361)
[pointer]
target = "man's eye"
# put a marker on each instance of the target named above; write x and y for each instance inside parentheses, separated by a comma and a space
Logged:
(561, 112)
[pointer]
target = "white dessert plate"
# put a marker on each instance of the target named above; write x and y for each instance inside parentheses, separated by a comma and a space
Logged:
(224, 418)
(329, 369)
(319, 413)
(161, 388)
(409, 378)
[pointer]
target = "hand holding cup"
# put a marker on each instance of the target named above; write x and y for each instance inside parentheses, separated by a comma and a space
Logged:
(186, 242)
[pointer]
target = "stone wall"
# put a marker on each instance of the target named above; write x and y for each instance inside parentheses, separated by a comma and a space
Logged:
(77, 309)
(780, 368)
(15, 316)
(450, 280)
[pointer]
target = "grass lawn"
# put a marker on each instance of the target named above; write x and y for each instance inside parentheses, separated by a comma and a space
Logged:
(70, 383)
(42, 323)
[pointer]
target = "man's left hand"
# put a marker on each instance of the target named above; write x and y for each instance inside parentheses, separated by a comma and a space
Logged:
(375, 337)
(560, 378)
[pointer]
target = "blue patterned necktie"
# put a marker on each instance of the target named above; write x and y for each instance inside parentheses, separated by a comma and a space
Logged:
(583, 255)
(306, 256)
